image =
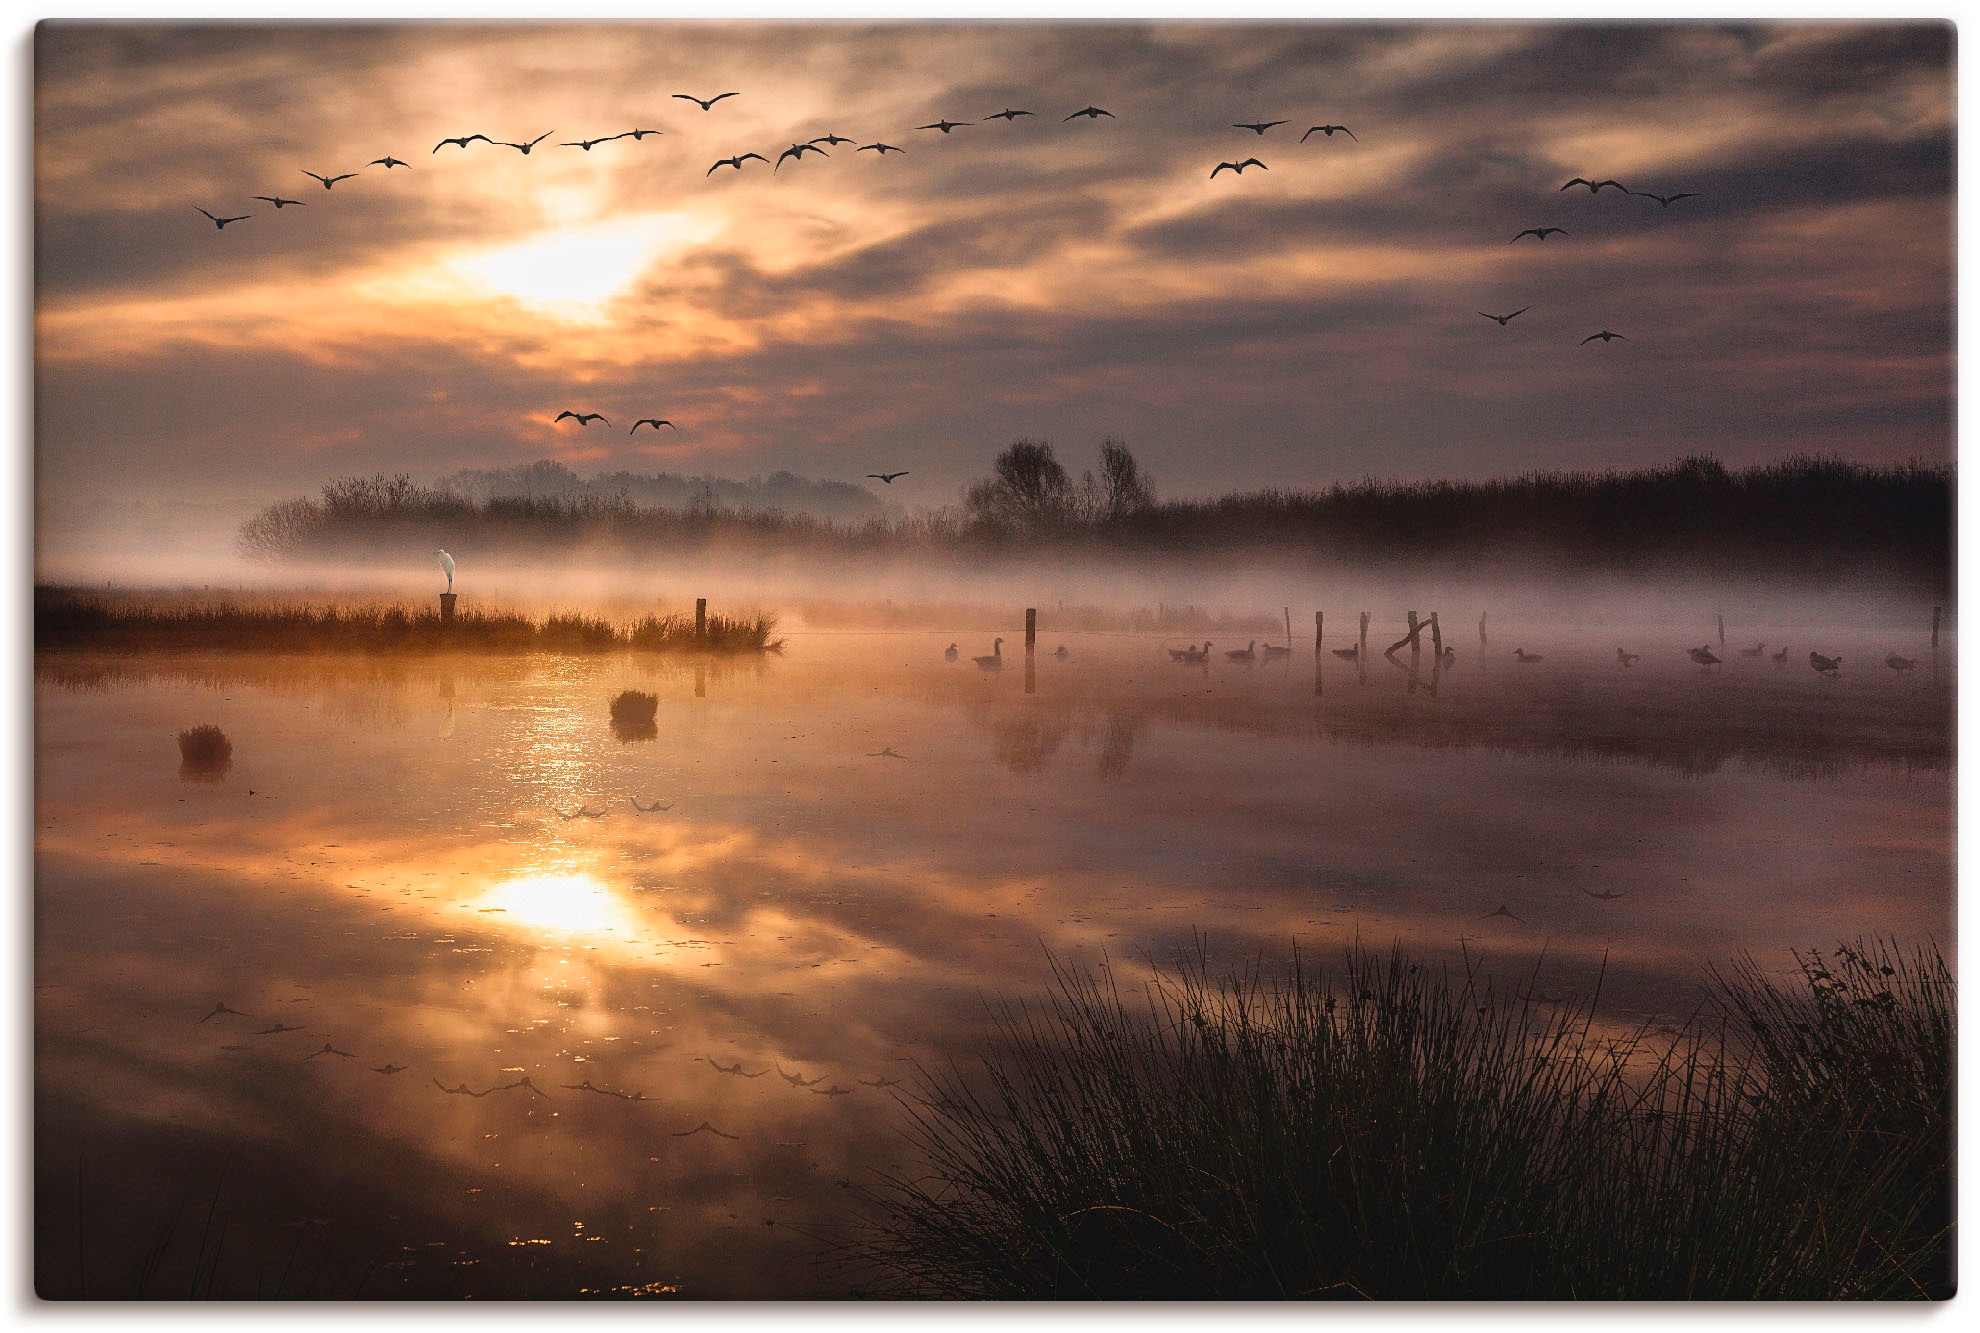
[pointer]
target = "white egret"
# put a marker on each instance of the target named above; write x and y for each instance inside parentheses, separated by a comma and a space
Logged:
(446, 563)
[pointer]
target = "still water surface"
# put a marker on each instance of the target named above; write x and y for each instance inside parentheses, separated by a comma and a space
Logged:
(672, 1034)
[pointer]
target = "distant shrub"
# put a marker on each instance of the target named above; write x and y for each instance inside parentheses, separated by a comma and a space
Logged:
(205, 753)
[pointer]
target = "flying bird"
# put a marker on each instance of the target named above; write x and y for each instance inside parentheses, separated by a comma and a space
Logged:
(447, 564)
(1507, 319)
(834, 1091)
(589, 144)
(637, 135)
(943, 125)
(460, 1089)
(1541, 233)
(328, 1049)
(280, 1027)
(388, 1069)
(1504, 911)
(655, 422)
(881, 148)
(1258, 126)
(1328, 130)
(704, 1125)
(798, 150)
(703, 103)
(735, 1068)
(1091, 113)
(797, 1080)
(221, 1008)
(649, 809)
(1826, 665)
(885, 753)
(1606, 895)
(1594, 187)
(581, 812)
(582, 418)
(736, 162)
(1665, 199)
(463, 141)
(220, 223)
(522, 1082)
(879, 1082)
(524, 148)
(278, 202)
(1604, 335)
(388, 162)
(834, 139)
(1238, 167)
(887, 477)
(329, 181)
(1008, 114)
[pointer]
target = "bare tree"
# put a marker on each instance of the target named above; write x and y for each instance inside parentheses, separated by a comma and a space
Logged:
(1030, 488)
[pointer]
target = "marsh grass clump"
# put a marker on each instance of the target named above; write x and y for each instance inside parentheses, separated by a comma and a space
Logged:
(67, 619)
(205, 753)
(633, 713)
(1391, 1131)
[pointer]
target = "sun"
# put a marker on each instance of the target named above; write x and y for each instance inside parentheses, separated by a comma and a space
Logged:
(570, 904)
(576, 270)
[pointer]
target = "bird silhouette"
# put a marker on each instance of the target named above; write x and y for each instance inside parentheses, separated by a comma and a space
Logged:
(581, 813)
(1626, 659)
(879, 1082)
(460, 1089)
(1504, 911)
(1703, 655)
(885, 753)
(279, 203)
(522, 1082)
(1091, 113)
(1521, 655)
(834, 1091)
(1896, 663)
(834, 139)
(329, 181)
(589, 144)
(1605, 336)
(1062, 654)
(220, 223)
(446, 566)
(1826, 665)
(328, 1049)
(798, 1080)
(655, 422)
(1238, 167)
(524, 148)
(589, 1086)
(881, 148)
(280, 1027)
(582, 418)
(1541, 233)
(1448, 660)
(798, 150)
(736, 162)
(388, 1069)
(1605, 895)
(221, 1008)
(1008, 114)
(703, 103)
(735, 1068)
(388, 162)
(1328, 130)
(649, 809)
(1347, 654)
(951, 653)
(1780, 658)
(1507, 319)
(1244, 654)
(887, 477)
(704, 1125)
(1755, 651)
(1665, 199)
(1197, 656)
(1594, 187)
(1257, 127)
(995, 661)
(463, 141)
(943, 125)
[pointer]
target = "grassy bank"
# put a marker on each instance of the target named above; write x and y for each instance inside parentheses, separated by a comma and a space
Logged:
(1390, 1132)
(1810, 519)
(69, 620)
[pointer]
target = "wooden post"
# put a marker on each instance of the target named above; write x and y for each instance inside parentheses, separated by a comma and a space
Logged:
(700, 621)
(1361, 653)
(1722, 631)
(701, 680)
(1935, 627)
(1481, 629)
(1288, 611)
(1436, 638)
(447, 610)
(1415, 651)
(1319, 626)
(1030, 628)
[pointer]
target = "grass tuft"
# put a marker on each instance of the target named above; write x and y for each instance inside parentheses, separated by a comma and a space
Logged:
(1390, 1131)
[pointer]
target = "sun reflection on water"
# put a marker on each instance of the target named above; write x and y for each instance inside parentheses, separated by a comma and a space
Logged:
(561, 904)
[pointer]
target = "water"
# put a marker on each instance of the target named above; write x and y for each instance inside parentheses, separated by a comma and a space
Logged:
(861, 843)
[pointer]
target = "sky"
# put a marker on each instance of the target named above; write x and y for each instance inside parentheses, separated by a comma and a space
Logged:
(1053, 278)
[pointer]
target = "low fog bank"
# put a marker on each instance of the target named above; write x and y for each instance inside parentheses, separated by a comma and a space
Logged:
(1115, 593)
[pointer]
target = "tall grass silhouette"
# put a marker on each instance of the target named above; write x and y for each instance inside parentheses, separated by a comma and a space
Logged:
(1393, 1131)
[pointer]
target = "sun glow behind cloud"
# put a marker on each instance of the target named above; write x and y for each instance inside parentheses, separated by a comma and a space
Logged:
(575, 271)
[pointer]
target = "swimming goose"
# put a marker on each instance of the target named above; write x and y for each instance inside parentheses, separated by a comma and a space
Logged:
(1704, 656)
(1347, 654)
(1521, 655)
(1197, 656)
(951, 653)
(1826, 665)
(995, 661)
(1244, 654)
(1273, 650)
(1896, 663)
(1756, 650)
(1627, 659)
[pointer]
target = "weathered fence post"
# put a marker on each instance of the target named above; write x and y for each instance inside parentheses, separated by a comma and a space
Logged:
(700, 619)
(1361, 652)
(1030, 628)
(1319, 624)
(1722, 631)
(447, 610)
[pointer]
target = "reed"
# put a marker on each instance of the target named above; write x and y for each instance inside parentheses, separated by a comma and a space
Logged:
(64, 619)
(1390, 1131)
